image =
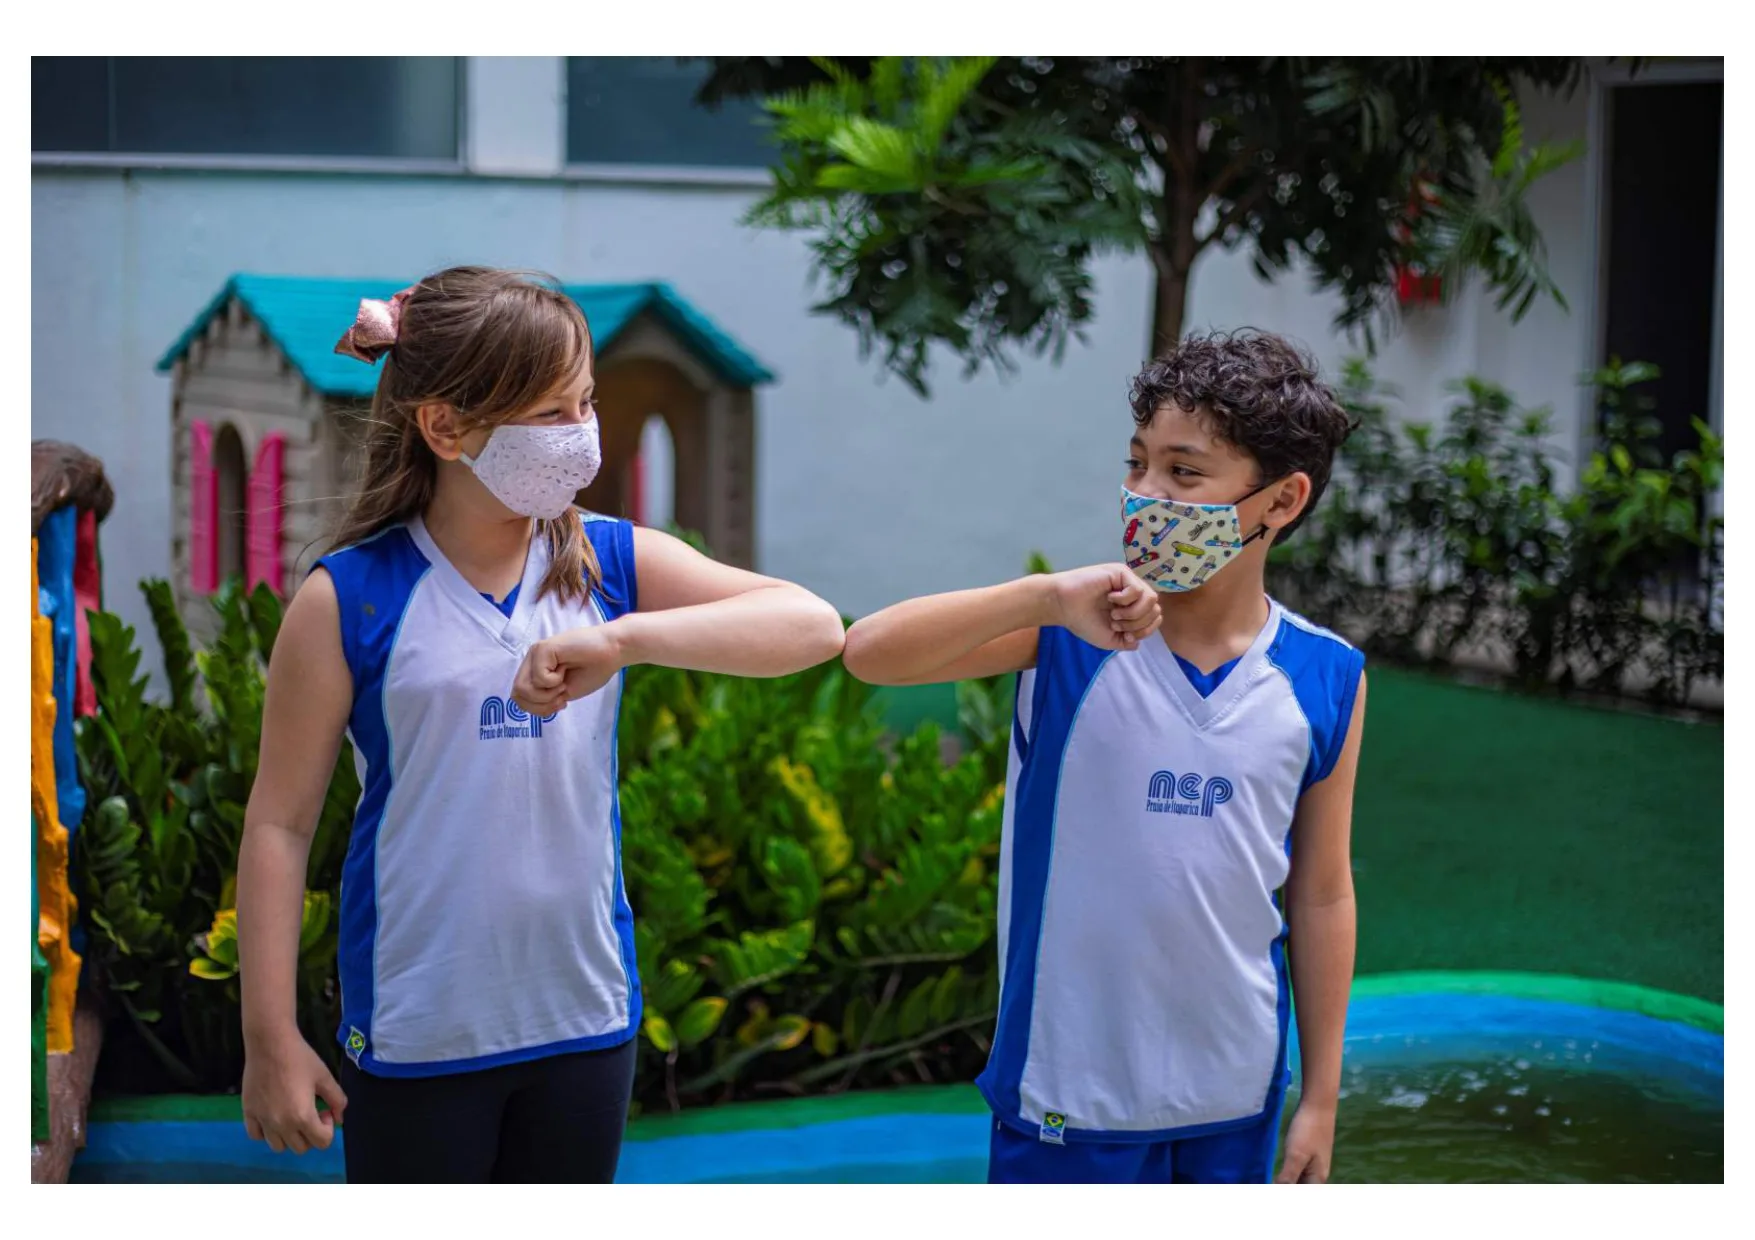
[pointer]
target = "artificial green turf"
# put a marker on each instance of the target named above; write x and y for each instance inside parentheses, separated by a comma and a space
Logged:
(1498, 831)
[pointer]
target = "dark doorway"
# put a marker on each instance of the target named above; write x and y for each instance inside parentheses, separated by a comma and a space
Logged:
(231, 476)
(1664, 143)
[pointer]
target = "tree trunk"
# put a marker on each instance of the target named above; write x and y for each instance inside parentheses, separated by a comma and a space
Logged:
(1169, 302)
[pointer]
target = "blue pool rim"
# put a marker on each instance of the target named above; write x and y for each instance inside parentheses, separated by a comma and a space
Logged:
(1389, 1020)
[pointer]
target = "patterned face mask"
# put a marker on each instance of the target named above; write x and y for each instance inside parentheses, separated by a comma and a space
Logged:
(1176, 547)
(537, 470)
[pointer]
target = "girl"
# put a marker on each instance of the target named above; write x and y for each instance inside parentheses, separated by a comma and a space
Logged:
(467, 633)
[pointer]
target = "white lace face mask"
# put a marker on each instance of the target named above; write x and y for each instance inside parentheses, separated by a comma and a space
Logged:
(537, 470)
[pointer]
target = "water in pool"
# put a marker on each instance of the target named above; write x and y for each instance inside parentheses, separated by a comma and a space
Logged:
(1547, 1112)
(1524, 1118)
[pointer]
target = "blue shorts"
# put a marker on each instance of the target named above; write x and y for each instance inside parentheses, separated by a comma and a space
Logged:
(1243, 1155)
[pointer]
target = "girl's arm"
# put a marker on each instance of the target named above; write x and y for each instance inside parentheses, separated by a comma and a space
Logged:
(704, 616)
(984, 632)
(695, 613)
(309, 695)
(1319, 898)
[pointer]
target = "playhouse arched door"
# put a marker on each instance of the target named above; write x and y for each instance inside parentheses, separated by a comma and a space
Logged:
(629, 395)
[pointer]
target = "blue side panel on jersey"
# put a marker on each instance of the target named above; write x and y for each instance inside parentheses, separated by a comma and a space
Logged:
(1324, 673)
(613, 540)
(374, 583)
(1283, 1004)
(1066, 668)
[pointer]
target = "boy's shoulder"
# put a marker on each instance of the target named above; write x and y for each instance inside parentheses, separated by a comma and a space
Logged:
(1302, 646)
(1307, 625)
(1322, 670)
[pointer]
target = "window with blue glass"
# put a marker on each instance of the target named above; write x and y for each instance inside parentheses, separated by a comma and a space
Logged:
(642, 110)
(355, 107)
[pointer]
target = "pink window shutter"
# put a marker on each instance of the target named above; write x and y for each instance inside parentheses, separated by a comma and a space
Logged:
(263, 514)
(87, 596)
(203, 511)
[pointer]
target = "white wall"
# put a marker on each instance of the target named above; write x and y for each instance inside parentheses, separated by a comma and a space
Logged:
(865, 493)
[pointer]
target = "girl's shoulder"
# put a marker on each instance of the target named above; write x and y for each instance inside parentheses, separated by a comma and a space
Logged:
(391, 543)
(372, 570)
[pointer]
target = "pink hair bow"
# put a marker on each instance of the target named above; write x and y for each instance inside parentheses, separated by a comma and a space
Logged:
(374, 328)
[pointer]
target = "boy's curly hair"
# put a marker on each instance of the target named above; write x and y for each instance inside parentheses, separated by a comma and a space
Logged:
(1257, 392)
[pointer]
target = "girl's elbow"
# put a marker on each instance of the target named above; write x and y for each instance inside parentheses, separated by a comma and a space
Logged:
(828, 633)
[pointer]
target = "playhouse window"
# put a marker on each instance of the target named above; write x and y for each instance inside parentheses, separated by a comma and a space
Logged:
(231, 476)
(642, 110)
(375, 107)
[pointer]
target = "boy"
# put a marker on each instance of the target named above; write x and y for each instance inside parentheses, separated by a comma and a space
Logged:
(1183, 749)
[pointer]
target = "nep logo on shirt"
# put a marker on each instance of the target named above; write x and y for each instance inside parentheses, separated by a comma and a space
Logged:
(504, 719)
(1188, 794)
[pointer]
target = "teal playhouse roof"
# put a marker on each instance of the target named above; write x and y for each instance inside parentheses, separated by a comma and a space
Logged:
(305, 316)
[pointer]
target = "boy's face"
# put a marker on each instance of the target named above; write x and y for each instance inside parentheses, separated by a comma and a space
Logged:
(1176, 457)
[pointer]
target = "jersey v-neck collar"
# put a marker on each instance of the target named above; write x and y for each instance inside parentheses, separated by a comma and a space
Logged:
(508, 631)
(1203, 711)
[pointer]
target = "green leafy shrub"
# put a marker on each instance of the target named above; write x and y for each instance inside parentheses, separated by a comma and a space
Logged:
(1438, 539)
(814, 907)
(156, 859)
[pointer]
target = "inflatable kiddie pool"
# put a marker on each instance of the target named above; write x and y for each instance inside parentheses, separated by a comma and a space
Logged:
(1452, 1077)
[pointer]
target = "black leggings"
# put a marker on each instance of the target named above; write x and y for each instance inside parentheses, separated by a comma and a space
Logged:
(555, 1120)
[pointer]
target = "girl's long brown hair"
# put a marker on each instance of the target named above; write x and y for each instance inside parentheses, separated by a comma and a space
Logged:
(490, 343)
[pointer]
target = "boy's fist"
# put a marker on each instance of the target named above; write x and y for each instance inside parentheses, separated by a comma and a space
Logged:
(1105, 605)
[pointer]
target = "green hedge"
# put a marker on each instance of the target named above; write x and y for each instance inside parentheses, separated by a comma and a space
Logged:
(1457, 534)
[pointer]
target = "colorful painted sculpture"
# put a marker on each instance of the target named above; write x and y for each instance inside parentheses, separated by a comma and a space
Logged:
(69, 496)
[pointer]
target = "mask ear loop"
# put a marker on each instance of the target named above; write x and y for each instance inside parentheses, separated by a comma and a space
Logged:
(1251, 495)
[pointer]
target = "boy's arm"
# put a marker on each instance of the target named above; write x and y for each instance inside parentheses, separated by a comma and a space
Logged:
(1319, 898)
(985, 632)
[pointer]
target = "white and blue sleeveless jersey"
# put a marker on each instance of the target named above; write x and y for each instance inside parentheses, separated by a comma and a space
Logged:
(483, 916)
(1143, 992)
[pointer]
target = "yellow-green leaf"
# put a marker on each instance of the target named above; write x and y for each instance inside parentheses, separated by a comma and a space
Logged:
(658, 1032)
(830, 846)
(211, 970)
(752, 1029)
(314, 922)
(665, 732)
(789, 1031)
(699, 1020)
(824, 1040)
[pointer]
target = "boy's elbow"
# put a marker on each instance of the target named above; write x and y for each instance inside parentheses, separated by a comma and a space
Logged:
(860, 655)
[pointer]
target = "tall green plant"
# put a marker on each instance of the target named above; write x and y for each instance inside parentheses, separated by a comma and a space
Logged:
(167, 782)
